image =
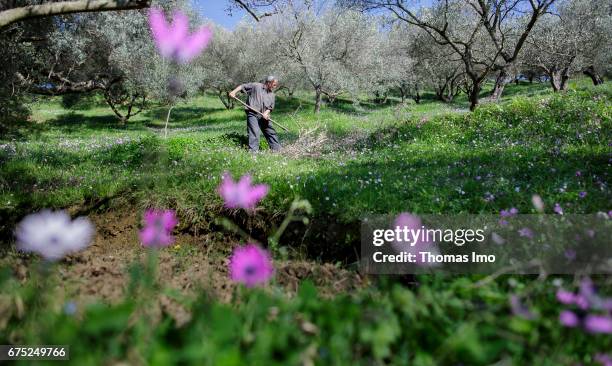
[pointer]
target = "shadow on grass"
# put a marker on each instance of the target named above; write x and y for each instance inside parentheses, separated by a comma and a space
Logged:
(74, 121)
(525, 89)
(181, 114)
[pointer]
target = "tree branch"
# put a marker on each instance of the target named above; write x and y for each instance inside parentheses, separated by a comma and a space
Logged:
(10, 16)
(248, 9)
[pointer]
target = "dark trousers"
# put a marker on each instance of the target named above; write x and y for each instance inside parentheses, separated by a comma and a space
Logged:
(255, 126)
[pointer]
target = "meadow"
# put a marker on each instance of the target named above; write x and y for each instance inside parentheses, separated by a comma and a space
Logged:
(349, 161)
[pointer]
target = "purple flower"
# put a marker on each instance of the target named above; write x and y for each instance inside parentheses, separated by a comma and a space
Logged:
(526, 232)
(582, 194)
(250, 265)
(565, 297)
(582, 302)
(497, 239)
(598, 324)
(53, 235)
(603, 359)
(413, 223)
(519, 309)
(241, 194)
(173, 40)
(568, 319)
(587, 288)
(570, 254)
(158, 228)
(578, 173)
(558, 209)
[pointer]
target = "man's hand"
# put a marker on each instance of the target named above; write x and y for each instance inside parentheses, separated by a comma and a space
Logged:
(266, 114)
(232, 94)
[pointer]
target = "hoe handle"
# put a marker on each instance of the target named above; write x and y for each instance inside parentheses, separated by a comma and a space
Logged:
(258, 112)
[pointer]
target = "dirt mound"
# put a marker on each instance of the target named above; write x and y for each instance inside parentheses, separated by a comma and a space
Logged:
(191, 264)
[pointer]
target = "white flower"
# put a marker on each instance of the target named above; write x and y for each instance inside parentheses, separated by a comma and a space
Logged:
(53, 235)
(537, 202)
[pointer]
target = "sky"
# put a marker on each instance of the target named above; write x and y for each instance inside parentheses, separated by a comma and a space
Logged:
(215, 10)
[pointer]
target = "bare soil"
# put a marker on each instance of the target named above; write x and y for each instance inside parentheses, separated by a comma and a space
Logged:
(191, 264)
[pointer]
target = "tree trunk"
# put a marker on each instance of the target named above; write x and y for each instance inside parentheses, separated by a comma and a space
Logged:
(595, 77)
(318, 94)
(500, 83)
(558, 79)
(417, 97)
(555, 80)
(474, 95)
(167, 120)
(564, 79)
(439, 93)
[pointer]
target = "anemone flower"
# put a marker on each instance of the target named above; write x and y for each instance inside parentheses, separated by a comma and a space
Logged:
(241, 194)
(251, 265)
(174, 41)
(422, 244)
(157, 231)
(53, 235)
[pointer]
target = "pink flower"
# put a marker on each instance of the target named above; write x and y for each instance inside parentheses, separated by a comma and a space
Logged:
(158, 228)
(568, 319)
(598, 324)
(603, 359)
(414, 229)
(526, 232)
(241, 194)
(565, 297)
(250, 265)
(173, 40)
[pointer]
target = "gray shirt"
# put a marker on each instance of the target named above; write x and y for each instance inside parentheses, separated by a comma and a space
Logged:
(260, 98)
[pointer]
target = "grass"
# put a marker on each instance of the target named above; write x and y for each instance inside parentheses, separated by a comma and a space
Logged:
(425, 158)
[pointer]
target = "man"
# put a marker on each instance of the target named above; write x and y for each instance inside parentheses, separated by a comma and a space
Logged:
(261, 98)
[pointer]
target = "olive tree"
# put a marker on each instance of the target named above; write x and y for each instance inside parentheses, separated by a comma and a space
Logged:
(392, 66)
(111, 53)
(437, 66)
(487, 35)
(573, 39)
(333, 50)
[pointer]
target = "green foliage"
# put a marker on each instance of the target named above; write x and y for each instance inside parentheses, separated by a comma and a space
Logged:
(419, 158)
(441, 321)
